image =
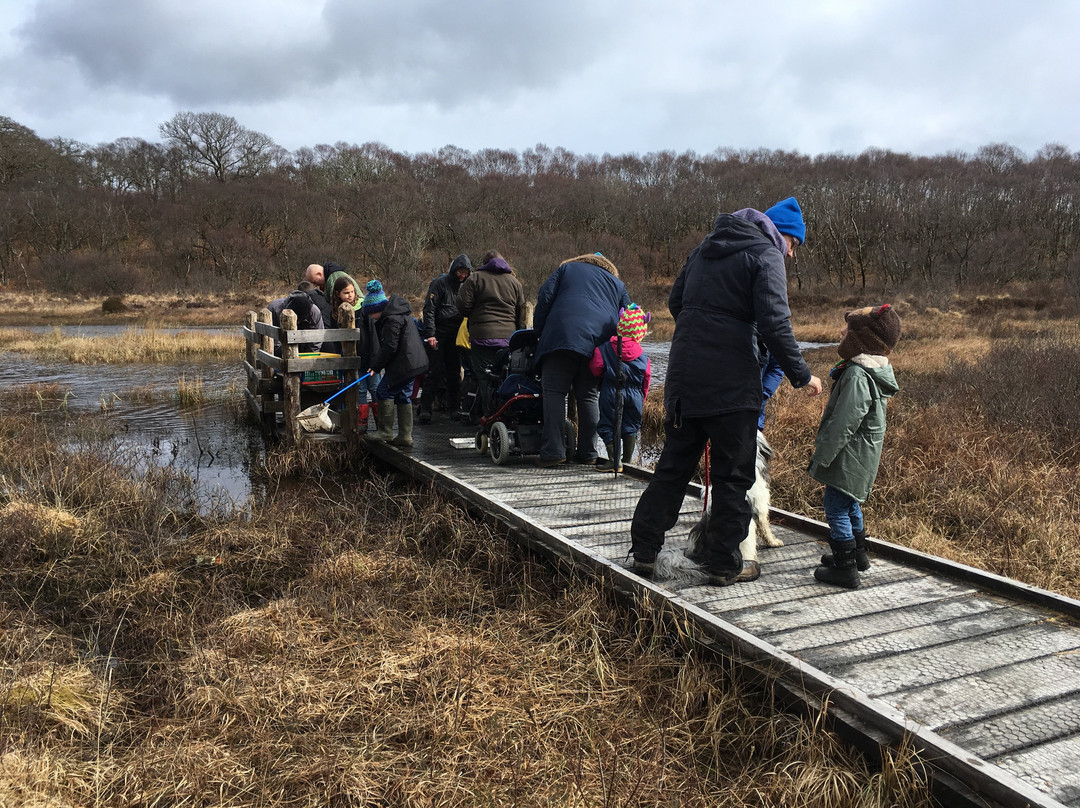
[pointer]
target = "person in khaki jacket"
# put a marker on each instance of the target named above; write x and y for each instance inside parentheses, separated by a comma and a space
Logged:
(493, 300)
(847, 449)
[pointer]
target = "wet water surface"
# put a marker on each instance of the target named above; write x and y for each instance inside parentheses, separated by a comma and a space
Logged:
(207, 443)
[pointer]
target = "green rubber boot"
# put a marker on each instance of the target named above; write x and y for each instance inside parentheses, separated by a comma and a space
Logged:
(611, 464)
(404, 426)
(629, 446)
(384, 420)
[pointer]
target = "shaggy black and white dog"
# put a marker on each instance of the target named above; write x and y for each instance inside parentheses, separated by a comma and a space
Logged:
(672, 564)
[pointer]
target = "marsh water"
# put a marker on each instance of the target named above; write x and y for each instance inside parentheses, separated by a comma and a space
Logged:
(209, 443)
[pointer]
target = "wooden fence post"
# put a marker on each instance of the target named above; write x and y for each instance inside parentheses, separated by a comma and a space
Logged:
(266, 343)
(289, 352)
(350, 427)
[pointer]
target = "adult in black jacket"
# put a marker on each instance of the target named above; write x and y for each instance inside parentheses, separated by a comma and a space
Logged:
(441, 323)
(731, 292)
(400, 357)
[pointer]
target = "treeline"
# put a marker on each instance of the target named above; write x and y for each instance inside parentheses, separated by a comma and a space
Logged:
(214, 206)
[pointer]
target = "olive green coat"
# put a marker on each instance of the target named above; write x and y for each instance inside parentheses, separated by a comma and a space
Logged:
(849, 440)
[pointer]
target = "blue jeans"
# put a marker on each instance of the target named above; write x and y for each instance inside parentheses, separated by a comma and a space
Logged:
(400, 394)
(842, 513)
(368, 387)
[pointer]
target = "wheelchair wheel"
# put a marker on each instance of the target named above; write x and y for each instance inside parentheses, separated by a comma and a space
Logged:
(499, 443)
(570, 437)
(481, 443)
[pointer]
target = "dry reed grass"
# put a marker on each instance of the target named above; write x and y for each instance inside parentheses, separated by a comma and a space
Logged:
(352, 643)
(169, 310)
(981, 454)
(135, 345)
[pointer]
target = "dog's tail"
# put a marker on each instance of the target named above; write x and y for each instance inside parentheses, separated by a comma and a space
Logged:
(674, 568)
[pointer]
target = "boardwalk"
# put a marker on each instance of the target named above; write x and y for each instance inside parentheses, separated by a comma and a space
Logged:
(980, 673)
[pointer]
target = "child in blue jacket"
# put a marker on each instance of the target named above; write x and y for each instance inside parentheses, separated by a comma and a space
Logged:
(632, 327)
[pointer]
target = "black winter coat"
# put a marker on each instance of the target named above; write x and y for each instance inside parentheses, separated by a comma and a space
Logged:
(441, 317)
(401, 355)
(731, 291)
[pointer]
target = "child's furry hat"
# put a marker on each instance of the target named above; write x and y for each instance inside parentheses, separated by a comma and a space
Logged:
(633, 323)
(873, 330)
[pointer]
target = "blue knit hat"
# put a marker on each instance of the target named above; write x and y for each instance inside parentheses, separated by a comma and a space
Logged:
(787, 217)
(375, 299)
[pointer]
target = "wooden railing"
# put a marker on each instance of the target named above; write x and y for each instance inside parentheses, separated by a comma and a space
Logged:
(275, 370)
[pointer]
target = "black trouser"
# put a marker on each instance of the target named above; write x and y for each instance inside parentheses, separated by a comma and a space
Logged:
(733, 452)
(433, 378)
(450, 359)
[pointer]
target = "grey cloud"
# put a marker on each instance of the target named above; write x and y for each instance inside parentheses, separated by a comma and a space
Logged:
(447, 53)
(427, 51)
(155, 48)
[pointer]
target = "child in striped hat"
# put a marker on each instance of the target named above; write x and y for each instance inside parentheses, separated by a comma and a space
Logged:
(636, 372)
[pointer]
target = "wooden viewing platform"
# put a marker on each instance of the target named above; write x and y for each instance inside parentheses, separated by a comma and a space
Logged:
(980, 674)
(275, 370)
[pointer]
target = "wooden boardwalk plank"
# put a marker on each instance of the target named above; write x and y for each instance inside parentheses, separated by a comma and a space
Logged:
(853, 617)
(978, 696)
(1051, 767)
(970, 627)
(976, 676)
(943, 662)
(1013, 731)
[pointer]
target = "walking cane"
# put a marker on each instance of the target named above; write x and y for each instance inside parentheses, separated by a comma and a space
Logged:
(620, 381)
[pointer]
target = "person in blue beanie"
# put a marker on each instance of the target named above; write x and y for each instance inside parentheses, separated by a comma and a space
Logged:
(400, 357)
(730, 293)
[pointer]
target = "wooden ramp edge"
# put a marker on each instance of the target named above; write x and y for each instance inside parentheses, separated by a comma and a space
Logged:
(960, 776)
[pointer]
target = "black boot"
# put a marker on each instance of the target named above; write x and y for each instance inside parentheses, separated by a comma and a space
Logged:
(842, 572)
(862, 560)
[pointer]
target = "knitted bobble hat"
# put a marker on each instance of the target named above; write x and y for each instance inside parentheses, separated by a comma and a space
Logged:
(375, 299)
(633, 323)
(787, 216)
(873, 330)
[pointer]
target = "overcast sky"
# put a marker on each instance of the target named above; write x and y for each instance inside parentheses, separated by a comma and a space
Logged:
(591, 76)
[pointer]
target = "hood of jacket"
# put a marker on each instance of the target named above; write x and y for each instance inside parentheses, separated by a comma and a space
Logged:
(878, 368)
(332, 279)
(735, 232)
(397, 305)
(461, 262)
(631, 349)
(497, 266)
(596, 260)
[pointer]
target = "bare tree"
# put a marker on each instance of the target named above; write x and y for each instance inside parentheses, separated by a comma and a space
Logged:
(219, 145)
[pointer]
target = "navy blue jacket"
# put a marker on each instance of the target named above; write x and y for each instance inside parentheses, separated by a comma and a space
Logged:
(731, 291)
(633, 394)
(577, 307)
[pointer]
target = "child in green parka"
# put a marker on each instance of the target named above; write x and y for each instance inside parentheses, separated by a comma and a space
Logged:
(847, 450)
